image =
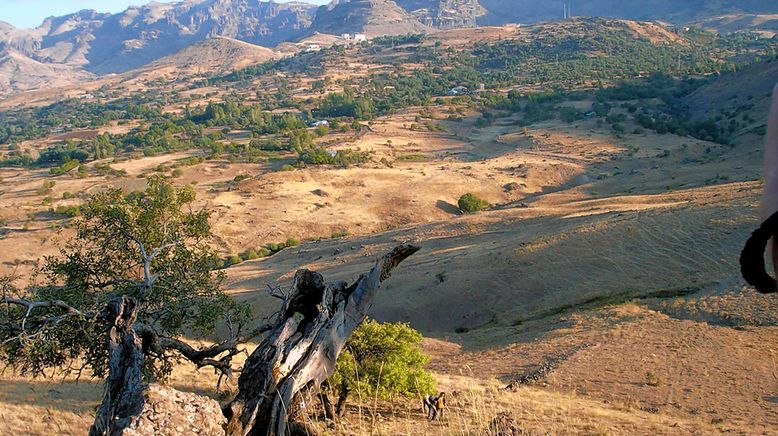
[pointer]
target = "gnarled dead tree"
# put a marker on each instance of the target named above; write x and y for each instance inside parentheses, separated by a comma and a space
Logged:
(123, 395)
(301, 349)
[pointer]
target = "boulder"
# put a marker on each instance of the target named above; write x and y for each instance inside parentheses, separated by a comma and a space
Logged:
(168, 412)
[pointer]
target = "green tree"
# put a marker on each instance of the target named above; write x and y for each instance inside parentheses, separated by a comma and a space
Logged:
(147, 247)
(382, 359)
(470, 203)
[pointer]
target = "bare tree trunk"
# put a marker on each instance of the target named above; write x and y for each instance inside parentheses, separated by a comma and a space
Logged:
(329, 412)
(301, 350)
(340, 408)
(123, 396)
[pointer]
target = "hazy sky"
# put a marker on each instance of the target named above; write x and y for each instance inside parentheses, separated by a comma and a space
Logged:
(30, 13)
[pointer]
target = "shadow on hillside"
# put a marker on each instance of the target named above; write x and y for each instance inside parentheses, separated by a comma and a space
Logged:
(730, 304)
(447, 207)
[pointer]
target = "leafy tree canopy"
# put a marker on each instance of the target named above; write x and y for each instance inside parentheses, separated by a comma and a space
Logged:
(382, 359)
(151, 246)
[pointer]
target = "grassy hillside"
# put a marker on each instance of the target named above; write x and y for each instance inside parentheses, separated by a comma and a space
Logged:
(621, 162)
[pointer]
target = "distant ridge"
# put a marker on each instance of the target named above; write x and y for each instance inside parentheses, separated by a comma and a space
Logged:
(77, 46)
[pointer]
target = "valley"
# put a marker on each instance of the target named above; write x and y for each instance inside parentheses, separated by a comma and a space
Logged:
(621, 162)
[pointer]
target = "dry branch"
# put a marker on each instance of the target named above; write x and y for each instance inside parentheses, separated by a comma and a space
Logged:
(302, 348)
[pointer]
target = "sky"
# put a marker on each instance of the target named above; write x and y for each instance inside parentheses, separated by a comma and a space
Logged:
(31, 13)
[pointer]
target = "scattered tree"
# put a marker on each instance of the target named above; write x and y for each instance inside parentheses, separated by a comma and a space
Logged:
(136, 277)
(382, 359)
(470, 203)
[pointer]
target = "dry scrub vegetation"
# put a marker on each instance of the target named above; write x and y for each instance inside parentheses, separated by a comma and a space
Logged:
(605, 262)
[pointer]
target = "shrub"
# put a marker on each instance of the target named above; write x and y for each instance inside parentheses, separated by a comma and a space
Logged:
(291, 242)
(382, 359)
(275, 247)
(65, 167)
(69, 211)
(470, 203)
(339, 234)
(234, 259)
(569, 114)
(482, 122)
(45, 187)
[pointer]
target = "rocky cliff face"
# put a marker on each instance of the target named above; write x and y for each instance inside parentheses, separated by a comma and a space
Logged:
(88, 41)
(444, 14)
(371, 17)
(105, 43)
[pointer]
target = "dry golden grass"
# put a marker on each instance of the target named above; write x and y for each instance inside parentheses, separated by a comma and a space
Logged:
(44, 407)
(640, 372)
(581, 217)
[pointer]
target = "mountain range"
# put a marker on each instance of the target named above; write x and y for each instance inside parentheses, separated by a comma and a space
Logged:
(87, 42)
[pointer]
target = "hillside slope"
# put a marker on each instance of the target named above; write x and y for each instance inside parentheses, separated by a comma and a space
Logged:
(18, 73)
(216, 55)
(743, 95)
(371, 17)
(528, 11)
(766, 24)
(106, 43)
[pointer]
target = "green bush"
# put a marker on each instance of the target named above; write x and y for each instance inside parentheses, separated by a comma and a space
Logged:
(234, 259)
(45, 187)
(65, 167)
(382, 359)
(470, 203)
(69, 211)
(275, 247)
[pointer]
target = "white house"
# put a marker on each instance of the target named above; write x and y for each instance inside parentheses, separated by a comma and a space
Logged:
(359, 37)
(313, 47)
(346, 36)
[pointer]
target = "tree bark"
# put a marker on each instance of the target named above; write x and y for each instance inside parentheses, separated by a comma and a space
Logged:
(123, 395)
(340, 408)
(326, 404)
(301, 350)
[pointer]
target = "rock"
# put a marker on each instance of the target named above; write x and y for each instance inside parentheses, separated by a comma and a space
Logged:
(504, 424)
(320, 193)
(168, 412)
